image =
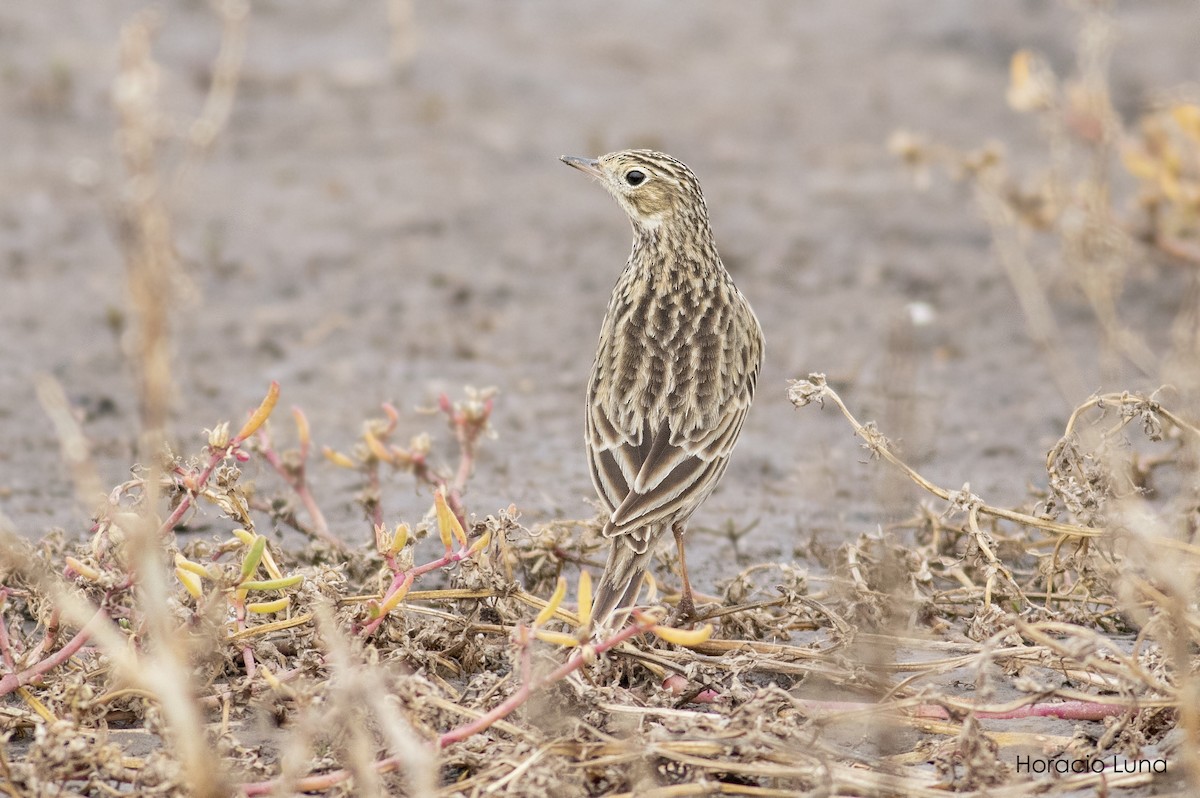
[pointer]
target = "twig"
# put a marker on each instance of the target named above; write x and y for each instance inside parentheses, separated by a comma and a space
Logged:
(12, 681)
(403, 580)
(641, 623)
(815, 389)
(5, 643)
(297, 477)
(220, 447)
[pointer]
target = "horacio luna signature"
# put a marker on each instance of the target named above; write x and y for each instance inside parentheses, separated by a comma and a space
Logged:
(1114, 764)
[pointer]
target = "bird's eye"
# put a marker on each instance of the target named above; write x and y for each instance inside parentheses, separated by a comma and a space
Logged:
(635, 177)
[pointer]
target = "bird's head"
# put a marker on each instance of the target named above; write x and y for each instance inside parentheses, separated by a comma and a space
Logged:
(653, 188)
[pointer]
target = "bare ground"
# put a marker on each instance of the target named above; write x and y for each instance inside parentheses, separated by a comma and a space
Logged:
(365, 232)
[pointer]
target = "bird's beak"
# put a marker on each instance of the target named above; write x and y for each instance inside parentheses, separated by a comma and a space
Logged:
(586, 165)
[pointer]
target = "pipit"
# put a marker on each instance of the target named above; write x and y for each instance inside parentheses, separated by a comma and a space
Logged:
(674, 374)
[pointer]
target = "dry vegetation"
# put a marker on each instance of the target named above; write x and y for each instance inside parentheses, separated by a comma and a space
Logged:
(231, 666)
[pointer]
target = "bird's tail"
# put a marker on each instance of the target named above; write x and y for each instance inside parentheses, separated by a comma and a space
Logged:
(620, 583)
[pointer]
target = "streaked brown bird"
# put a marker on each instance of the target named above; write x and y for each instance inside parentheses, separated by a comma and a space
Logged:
(675, 371)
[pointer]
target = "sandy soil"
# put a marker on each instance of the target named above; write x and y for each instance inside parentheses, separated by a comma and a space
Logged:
(364, 234)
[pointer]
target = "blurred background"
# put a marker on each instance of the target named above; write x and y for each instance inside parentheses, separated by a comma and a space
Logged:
(383, 217)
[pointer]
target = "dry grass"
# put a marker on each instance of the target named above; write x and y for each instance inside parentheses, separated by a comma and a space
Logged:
(342, 677)
(927, 659)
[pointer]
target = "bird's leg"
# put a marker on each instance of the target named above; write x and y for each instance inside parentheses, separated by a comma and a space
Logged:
(686, 609)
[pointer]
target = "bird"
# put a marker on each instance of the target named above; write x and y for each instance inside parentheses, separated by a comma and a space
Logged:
(675, 372)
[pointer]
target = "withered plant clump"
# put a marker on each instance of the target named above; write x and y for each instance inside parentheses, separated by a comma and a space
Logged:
(355, 669)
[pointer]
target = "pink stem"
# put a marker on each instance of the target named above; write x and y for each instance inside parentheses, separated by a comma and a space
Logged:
(468, 438)
(248, 660)
(189, 497)
(400, 577)
(321, 525)
(215, 458)
(48, 638)
(505, 708)
(31, 674)
(298, 482)
(467, 435)
(397, 582)
(247, 651)
(520, 696)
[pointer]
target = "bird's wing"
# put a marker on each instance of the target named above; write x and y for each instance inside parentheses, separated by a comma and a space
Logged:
(650, 475)
(674, 478)
(660, 475)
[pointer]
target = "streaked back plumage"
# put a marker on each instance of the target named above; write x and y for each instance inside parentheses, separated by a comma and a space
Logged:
(675, 370)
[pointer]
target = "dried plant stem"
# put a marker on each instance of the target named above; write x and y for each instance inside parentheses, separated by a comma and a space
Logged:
(1065, 710)
(467, 430)
(247, 649)
(218, 103)
(815, 389)
(529, 685)
(216, 457)
(1136, 405)
(403, 580)
(71, 439)
(297, 479)
(984, 543)
(48, 637)
(466, 460)
(218, 452)
(374, 492)
(151, 268)
(1054, 636)
(146, 227)
(6, 653)
(34, 672)
(1012, 251)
